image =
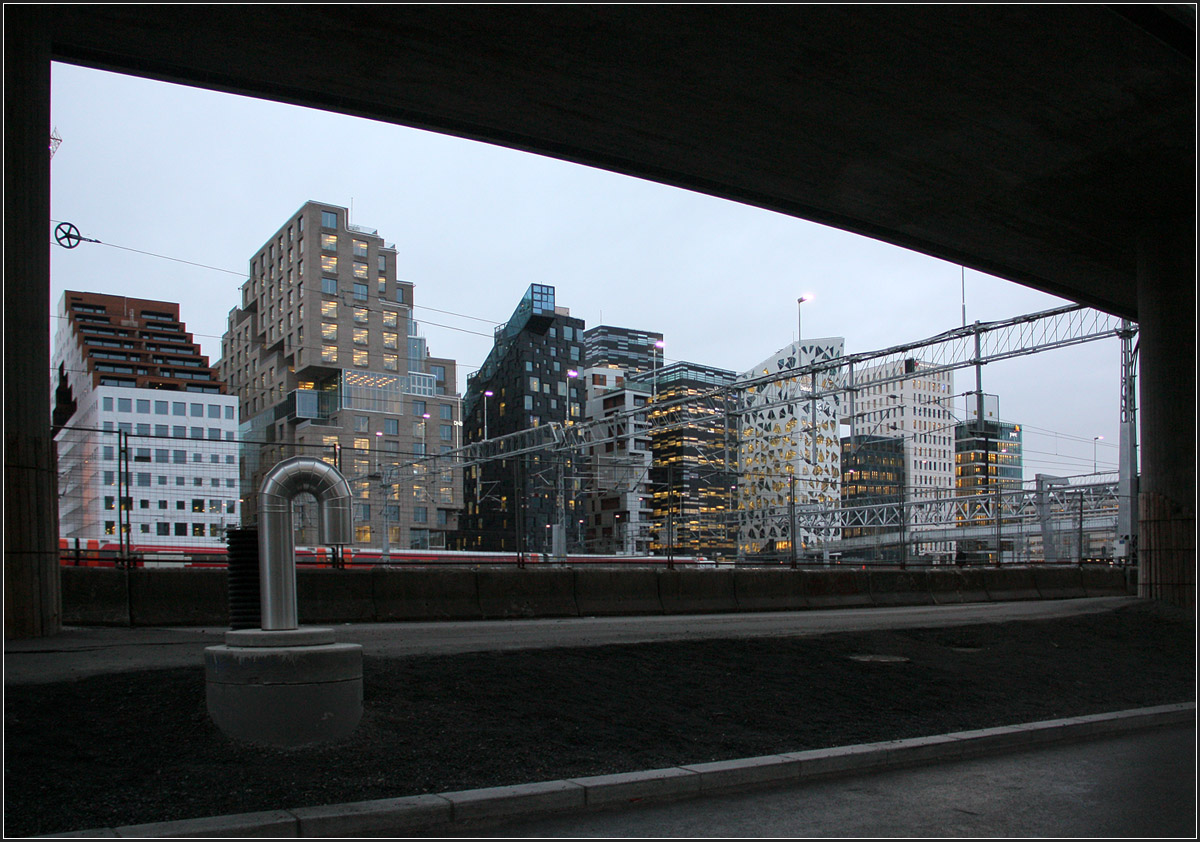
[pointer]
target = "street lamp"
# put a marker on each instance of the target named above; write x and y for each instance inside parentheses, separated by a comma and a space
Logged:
(486, 395)
(378, 447)
(1094, 440)
(571, 375)
(799, 301)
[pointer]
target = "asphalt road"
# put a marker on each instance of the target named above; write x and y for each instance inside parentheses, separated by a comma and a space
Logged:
(79, 652)
(1140, 785)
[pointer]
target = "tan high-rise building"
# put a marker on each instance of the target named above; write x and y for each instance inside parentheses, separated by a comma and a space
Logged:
(327, 361)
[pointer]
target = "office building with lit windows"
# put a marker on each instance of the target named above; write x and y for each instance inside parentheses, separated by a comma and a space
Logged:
(618, 491)
(873, 479)
(326, 360)
(987, 457)
(533, 502)
(632, 350)
(146, 434)
(911, 400)
(694, 460)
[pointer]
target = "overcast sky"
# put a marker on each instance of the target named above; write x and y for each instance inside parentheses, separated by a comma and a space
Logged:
(206, 178)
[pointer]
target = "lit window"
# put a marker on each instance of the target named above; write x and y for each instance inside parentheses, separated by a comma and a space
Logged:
(329, 264)
(329, 332)
(329, 353)
(361, 315)
(389, 318)
(391, 362)
(329, 242)
(360, 269)
(329, 309)
(360, 359)
(360, 248)
(360, 336)
(390, 340)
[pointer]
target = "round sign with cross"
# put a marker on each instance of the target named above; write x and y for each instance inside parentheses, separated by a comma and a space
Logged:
(67, 235)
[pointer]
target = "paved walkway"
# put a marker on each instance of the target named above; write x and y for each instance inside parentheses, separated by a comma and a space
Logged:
(79, 652)
(1139, 785)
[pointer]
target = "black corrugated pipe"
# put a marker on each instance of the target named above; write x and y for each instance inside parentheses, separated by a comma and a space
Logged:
(245, 606)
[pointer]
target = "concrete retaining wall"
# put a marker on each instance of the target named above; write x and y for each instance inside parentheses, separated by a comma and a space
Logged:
(899, 587)
(609, 593)
(537, 592)
(836, 588)
(1059, 582)
(769, 590)
(946, 586)
(176, 597)
(1010, 584)
(422, 594)
(335, 596)
(697, 591)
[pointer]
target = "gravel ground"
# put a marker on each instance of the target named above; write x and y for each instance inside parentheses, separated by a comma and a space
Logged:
(139, 747)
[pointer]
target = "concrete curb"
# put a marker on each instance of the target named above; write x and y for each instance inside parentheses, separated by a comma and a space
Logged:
(396, 816)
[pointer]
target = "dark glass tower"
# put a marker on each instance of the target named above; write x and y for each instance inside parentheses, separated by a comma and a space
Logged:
(530, 502)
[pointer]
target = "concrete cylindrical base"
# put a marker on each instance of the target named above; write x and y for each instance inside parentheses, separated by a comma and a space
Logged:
(284, 688)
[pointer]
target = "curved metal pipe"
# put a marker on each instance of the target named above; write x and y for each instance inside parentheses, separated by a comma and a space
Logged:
(276, 535)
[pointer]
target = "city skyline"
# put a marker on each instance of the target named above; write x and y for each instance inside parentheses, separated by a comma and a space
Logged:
(149, 167)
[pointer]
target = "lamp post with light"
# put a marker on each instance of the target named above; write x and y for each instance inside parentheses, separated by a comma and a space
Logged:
(486, 395)
(799, 301)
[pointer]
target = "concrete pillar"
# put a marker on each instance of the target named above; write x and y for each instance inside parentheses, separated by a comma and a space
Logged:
(32, 596)
(1167, 350)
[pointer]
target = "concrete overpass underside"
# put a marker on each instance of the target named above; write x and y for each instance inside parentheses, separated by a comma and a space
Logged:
(1050, 145)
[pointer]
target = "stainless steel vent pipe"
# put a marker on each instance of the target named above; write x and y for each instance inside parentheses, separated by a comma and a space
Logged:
(276, 536)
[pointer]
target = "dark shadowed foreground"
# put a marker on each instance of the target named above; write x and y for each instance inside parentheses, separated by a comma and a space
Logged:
(139, 747)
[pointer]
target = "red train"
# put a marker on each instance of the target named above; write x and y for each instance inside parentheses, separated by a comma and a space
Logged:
(106, 553)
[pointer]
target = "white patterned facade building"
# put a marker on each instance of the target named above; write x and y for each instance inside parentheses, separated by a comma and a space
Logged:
(789, 451)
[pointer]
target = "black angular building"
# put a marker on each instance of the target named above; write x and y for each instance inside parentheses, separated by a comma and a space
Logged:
(531, 502)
